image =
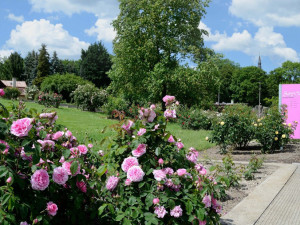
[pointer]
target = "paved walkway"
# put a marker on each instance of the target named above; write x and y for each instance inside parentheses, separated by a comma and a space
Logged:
(276, 201)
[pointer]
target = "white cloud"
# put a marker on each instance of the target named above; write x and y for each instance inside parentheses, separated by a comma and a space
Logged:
(5, 53)
(101, 8)
(31, 34)
(267, 12)
(211, 36)
(19, 19)
(265, 41)
(103, 29)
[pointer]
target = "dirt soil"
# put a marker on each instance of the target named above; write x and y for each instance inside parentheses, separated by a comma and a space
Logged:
(290, 154)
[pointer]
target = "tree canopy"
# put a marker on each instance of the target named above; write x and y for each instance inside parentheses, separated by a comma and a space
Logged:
(152, 37)
(43, 67)
(16, 65)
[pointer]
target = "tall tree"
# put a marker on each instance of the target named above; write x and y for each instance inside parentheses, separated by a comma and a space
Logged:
(16, 65)
(4, 69)
(43, 68)
(245, 85)
(95, 63)
(71, 66)
(152, 37)
(30, 66)
(55, 64)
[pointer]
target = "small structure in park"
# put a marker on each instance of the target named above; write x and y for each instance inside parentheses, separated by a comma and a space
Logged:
(21, 85)
(289, 95)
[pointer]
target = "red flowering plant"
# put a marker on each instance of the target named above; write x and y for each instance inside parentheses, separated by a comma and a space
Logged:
(50, 99)
(46, 176)
(153, 179)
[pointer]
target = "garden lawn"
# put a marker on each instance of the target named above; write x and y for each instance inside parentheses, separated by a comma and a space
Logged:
(87, 126)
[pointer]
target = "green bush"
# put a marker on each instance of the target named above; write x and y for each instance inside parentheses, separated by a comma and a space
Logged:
(88, 97)
(31, 92)
(196, 119)
(62, 84)
(115, 103)
(272, 132)
(49, 99)
(255, 163)
(235, 128)
(11, 93)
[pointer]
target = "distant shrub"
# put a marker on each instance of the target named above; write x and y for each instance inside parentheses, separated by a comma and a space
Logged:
(115, 103)
(62, 84)
(88, 97)
(31, 92)
(50, 99)
(11, 93)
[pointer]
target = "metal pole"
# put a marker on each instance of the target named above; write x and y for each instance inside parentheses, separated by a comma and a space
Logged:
(259, 99)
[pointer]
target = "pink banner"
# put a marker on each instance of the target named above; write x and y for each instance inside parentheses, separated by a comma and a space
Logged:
(289, 94)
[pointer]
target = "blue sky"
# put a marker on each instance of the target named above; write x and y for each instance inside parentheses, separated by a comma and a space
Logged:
(239, 29)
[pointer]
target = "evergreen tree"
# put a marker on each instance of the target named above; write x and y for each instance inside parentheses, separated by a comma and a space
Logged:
(55, 64)
(95, 63)
(30, 64)
(16, 65)
(4, 69)
(43, 67)
(71, 66)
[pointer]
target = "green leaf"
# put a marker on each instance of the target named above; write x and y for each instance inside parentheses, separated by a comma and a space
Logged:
(126, 221)
(5, 198)
(26, 142)
(189, 207)
(212, 168)
(149, 200)
(120, 217)
(101, 170)
(35, 158)
(74, 167)
(171, 203)
(2, 146)
(134, 213)
(157, 151)
(66, 153)
(200, 214)
(101, 209)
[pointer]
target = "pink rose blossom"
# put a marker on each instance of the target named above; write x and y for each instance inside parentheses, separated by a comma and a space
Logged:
(207, 201)
(171, 139)
(24, 156)
(147, 115)
(81, 186)
(67, 166)
(192, 155)
(21, 127)
(60, 175)
(128, 163)
(155, 201)
(156, 127)
(128, 182)
(139, 151)
(181, 172)
(159, 175)
(40, 180)
(169, 113)
(90, 145)
(141, 131)
(168, 99)
(52, 208)
(160, 161)
(179, 145)
(82, 149)
(202, 222)
(168, 171)
(62, 159)
(5, 151)
(112, 183)
(200, 168)
(8, 180)
(46, 144)
(24, 223)
(176, 212)
(56, 136)
(216, 206)
(68, 134)
(160, 211)
(135, 174)
(152, 107)
(128, 126)
(2, 92)
(101, 153)
(74, 152)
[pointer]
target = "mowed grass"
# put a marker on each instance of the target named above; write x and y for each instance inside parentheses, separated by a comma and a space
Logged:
(87, 126)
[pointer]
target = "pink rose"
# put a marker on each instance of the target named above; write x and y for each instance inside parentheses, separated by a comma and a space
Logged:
(179, 145)
(160, 211)
(128, 126)
(90, 145)
(5, 151)
(68, 134)
(155, 201)
(169, 113)
(52, 208)
(81, 186)
(60, 175)
(168, 99)
(181, 172)
(128, 163)
(112, 183)
(192, 155)
(82, 149)
(207, 201)
(40, 180)
(171, 139)
(2, 92)
(24, 223)
(141, 131)
(21, 127)
(159, 175)
(57, 135)
(139, 151)
(8, 180)
(176, 212)
(202, 222)
(135, 174)
(128, 182)
(67, 166)
(152, 107)
(160, 161)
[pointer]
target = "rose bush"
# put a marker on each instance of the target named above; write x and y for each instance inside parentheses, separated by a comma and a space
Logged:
(46, 177)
